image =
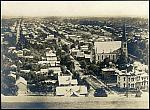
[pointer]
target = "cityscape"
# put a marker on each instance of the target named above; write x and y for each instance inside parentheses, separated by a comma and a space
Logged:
(88, 57)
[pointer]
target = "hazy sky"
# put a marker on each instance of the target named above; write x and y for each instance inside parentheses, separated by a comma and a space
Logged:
(75, 8)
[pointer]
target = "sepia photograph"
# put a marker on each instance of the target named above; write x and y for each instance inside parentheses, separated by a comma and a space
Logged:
(74, 54)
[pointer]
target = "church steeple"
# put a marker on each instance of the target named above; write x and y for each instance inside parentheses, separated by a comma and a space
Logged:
(124, 41)
(124, 38)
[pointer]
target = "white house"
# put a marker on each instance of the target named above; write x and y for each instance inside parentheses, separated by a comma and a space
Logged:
(66, 80)
(71, 91)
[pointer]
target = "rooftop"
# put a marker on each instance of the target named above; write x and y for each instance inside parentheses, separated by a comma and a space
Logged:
(107, 47)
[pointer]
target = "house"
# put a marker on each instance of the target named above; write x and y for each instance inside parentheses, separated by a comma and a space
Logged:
(84, 47)
(88, 57)
(22, 86)
(66, 80)
(19, 53)
(25, 71)
(12, 74)
(56, 70)
(69, 91)
(142, 80)
(44, 71)
(108, 49)
(80, 55)
(74, 51)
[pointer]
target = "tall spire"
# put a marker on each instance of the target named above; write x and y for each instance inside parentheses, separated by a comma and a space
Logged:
(124, 38)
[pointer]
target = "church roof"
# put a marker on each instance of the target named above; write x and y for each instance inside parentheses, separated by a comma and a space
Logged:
(107, 47)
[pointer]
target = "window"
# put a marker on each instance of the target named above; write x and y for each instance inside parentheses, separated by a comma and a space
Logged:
(124, 78)
(102, 57)
(113, 57)
(129, 79)
(132, 85)
(132, 79)
(119, 84)
(118, 78)
(124, 85)
(124, 45)
(129, 85)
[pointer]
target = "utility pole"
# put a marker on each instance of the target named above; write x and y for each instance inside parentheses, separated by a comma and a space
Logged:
(127, 84)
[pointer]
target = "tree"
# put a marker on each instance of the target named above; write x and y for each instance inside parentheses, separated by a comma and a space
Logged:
(8, 86)
(50, 72)
(83, 64)
(65, 48)
(122, 61)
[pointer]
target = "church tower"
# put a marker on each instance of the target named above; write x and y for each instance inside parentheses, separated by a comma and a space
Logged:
(124, 42)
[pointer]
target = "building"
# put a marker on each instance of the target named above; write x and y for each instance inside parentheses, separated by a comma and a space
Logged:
(84, 48)
(56, 70)
(22, 86)
(109, 75)
(133, 80)
(111, 49)
(108, 49)
(126, 80)
(76, 91)
(66, 80)
(69, 87)
(124, 42)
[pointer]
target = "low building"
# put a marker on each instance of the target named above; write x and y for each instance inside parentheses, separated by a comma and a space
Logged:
(80, 55)
(74, 51)
(44, 72)
(71, 91)
(56, 70)
(84, 48)
(66, 80)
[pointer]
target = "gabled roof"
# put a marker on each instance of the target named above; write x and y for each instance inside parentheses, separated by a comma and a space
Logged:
(64, 80)
(107, 47)
(44, 70)
(68, 90)
(13, 75)
(50, 54)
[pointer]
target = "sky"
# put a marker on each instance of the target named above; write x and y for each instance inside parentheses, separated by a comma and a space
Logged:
(75, 8)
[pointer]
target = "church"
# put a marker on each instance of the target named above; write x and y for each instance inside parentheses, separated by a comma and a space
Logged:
(111, 49)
